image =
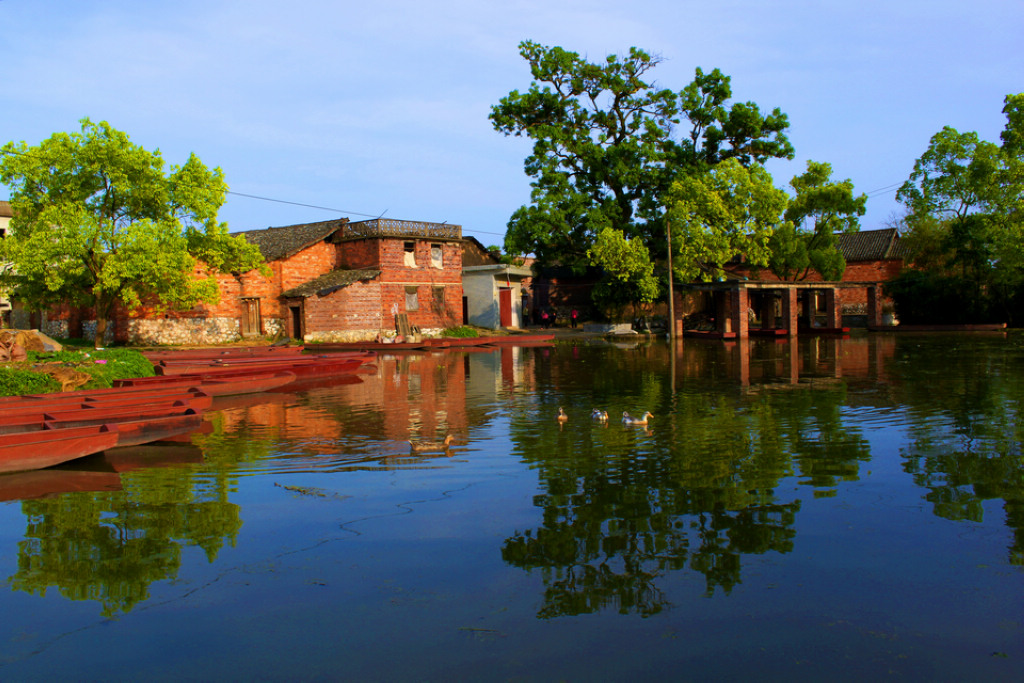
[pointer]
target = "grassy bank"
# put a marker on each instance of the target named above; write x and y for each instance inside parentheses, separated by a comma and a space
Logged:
(40, 372)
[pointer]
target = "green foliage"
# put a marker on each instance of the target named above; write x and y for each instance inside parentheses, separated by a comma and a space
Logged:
(819, 210)
(628, 265)
(104, 365)
(604, 153)
(99, 223)
(463, 331)
(965, 201)
(930, 298)
(15, 381)
(728, 211)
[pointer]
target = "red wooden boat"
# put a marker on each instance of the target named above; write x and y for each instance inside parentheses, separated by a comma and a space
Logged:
(47, 447)
(137, 432)
(94, 416)
(520, 339)
(228, 352)
(198, 400)
(315, 366)
(216, 383)
(381, 347)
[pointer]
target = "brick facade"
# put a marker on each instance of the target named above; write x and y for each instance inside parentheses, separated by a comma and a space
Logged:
(375, 279)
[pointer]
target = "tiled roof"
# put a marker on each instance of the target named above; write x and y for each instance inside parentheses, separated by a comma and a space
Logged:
(871, 245)
(5, 209)
(280, 243)
(329, 282)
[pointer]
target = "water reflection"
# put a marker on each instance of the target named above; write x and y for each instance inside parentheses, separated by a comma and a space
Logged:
(743, 434)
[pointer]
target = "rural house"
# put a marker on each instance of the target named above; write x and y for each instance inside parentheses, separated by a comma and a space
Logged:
(495, 293)
(330, 281)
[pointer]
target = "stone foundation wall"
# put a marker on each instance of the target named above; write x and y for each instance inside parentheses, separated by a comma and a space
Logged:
(184, 331)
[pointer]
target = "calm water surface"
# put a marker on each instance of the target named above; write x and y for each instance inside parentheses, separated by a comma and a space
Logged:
(828, 509)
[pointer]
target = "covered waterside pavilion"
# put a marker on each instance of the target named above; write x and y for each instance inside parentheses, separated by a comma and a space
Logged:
(783, 308)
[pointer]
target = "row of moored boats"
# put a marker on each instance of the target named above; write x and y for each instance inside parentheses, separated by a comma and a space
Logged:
(43, 430)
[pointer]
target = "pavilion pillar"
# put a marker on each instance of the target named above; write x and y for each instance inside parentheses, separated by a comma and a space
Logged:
(789, 310)
(833, 318)
(874, 306)
(740, 312)
(722, 322)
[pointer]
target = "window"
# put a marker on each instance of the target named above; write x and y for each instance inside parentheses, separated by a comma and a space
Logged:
(412, 302)
(410, 254)
(436, 256)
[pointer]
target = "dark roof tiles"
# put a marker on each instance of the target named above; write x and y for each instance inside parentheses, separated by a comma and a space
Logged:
(280, 243)
(871, 245)
(329, 282)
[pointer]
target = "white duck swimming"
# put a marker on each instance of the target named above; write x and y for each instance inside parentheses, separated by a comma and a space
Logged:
(628, 419)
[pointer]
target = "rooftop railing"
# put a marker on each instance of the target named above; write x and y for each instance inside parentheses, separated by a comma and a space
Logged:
(387, 227)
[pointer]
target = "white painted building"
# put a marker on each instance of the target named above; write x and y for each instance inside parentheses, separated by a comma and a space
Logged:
(494, 295)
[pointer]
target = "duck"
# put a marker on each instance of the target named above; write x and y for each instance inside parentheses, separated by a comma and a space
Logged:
(627, 419)
(431, 446)
(562, 417)
(599, 415)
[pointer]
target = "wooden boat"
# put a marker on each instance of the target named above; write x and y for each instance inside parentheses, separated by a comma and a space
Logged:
(196, 399)
(186, 366)
(48, 447)
(93, 416)
(137, 432)
(520, 339)
(441, 343)
(319, 366)
(137, 394)
(229, 352)
(217, 384)
(381, 347)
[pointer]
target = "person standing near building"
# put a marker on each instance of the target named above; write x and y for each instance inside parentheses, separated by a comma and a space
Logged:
(573, 317)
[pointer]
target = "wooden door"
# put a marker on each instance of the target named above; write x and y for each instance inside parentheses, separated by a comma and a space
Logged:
(250, 317)
(505, 306)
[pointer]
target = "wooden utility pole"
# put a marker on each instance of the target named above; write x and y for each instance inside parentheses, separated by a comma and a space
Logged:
(671, 290)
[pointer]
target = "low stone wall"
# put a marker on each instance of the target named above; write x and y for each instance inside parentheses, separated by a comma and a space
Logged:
(183, 331)
(615, 328)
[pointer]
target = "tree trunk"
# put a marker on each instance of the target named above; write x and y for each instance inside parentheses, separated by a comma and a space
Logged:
(101, 330)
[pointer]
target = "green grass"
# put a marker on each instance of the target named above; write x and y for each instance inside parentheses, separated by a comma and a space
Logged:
(464, 332)
(103, 366)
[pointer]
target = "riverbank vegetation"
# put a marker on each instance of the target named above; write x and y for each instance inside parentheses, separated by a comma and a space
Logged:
(45, 372)
(965, 228)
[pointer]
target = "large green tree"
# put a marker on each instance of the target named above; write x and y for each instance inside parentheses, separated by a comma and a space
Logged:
(819, 210)
(608, 145)
(99, 222)
(730, 210)
(965, 217)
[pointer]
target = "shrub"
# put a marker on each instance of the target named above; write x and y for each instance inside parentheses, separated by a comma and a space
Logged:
(464, 331)
(924, 298)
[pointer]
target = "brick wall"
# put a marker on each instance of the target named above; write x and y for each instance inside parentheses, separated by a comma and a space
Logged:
(357, 311)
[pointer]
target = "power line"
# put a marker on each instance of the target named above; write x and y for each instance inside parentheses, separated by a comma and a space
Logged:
(270, 199)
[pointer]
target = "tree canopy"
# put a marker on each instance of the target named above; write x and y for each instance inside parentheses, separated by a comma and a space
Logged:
(965, 221)
(99, 222)
(608, 146)
(819, 209)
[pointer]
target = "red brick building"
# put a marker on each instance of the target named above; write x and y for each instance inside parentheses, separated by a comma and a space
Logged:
(872, 257)
(330, 281)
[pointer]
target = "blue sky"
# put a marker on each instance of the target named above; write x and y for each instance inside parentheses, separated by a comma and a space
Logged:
(370, 108)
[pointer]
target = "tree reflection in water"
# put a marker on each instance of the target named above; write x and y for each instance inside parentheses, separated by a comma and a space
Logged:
(621, 508)
(110, 546)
